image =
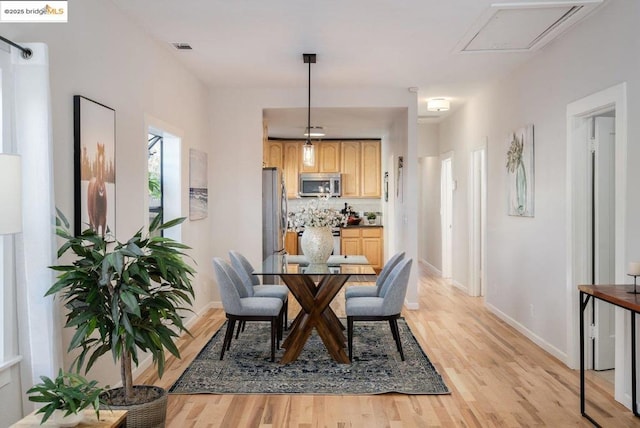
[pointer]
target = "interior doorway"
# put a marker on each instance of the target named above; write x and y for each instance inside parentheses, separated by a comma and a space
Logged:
(596, 206)
(446, 213)
(601, 167)
(478, 216)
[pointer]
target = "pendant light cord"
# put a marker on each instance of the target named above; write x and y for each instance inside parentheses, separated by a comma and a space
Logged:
(309, 109)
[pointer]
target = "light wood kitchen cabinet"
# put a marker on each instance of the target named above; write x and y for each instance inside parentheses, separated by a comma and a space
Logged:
(365, 241)
(371, 177)
(350, 169)
(327, 157)
(291, 242)
(350, 243)
(290, 167)
(357, 161)
(273, 155)
(360, 168)
(372, 247)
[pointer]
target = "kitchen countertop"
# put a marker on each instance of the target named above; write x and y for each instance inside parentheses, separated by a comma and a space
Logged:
(361, 225)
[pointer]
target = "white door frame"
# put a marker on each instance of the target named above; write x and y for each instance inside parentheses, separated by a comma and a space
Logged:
(578, 113)
(478, 220)
(446, 213)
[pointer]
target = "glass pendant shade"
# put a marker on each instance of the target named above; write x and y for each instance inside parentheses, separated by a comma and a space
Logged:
(10, 194)
(308, 154)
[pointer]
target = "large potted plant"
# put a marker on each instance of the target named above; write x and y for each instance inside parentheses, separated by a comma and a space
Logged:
(125, 297)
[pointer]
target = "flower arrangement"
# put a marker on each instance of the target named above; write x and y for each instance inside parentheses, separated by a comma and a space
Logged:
(514, 155)
(316, 214)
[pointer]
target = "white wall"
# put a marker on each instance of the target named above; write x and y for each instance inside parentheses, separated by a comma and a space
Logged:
(100, 54)
(527, 256)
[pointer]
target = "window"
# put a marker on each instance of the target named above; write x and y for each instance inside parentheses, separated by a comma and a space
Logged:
(155, 176)
(164, 169)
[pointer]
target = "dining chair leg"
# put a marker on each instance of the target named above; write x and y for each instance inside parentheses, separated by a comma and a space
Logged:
(274, 326)
(396, 335)
(227, 337)
(286, 313)
(238, 329)
(350, 336)
(393, 333)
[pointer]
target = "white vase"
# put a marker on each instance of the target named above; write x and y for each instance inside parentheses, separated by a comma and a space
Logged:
(317, 244)
(59, 419)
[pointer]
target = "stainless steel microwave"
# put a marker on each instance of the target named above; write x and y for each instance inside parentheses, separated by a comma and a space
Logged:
(320, 184)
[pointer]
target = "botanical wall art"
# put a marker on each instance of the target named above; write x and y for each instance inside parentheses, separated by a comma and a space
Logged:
(198, 188)
(94, 164)
(520, 172)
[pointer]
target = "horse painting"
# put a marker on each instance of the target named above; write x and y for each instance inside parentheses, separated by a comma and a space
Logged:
(97, 195)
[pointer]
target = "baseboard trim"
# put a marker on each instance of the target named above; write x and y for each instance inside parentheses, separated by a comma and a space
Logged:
(431, 268)
(560, 355)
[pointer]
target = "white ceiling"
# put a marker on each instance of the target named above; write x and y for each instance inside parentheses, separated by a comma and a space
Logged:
(359, 43)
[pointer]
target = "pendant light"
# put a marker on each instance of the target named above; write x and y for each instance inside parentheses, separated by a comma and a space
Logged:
(308, 151)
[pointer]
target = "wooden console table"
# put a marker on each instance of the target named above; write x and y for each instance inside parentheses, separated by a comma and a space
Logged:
(620, 296)
(108, 419)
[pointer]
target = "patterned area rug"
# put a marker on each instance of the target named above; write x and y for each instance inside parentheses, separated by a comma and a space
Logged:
(376, 368)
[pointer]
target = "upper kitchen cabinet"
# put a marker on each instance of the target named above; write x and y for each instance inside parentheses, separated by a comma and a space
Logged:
(360, 168)
(327, 157)
(291, 166)
(350, 169)
(273, 154)
(370, 169)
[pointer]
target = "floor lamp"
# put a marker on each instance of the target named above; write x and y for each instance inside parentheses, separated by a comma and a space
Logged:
(10, 194)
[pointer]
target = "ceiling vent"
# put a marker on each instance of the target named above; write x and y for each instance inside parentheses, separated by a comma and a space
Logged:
(523, 27)
(182, 46)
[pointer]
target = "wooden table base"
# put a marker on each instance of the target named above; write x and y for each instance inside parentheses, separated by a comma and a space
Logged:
(315, 313)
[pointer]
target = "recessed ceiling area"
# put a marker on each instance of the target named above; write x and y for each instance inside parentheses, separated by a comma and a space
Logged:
(512, 27)
(290, 123)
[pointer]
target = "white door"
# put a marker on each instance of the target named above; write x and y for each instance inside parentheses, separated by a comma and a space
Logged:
(446, 216)
(603, 248)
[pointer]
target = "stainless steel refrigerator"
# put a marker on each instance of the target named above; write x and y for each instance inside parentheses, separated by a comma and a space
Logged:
(274, 211)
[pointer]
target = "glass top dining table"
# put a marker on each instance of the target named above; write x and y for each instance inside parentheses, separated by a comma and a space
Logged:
(314, 286)
(286, 264)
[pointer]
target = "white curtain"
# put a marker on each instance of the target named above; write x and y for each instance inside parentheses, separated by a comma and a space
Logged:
(38, 320)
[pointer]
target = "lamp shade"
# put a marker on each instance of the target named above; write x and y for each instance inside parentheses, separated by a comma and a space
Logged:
(633, 269)
(10, 194)
(438, 104)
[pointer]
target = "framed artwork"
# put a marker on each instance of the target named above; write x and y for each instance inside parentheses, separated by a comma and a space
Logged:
(520, 171)
(94, 131)
(198, 188)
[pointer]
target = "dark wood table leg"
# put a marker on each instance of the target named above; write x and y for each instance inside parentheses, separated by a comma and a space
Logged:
(315, 313)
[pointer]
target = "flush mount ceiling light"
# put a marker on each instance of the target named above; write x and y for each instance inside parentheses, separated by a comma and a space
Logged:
(308, 152)
(438, 104)
(316, 131)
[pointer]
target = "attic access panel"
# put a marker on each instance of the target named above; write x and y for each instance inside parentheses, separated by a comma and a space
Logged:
(521, 27)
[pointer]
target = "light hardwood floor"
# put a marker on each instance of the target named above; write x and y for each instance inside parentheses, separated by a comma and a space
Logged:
(497, 377)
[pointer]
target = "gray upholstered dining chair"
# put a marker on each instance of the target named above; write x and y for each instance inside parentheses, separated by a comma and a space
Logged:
(385, 307)
(241, 307)
(369, 291)
(252, 283)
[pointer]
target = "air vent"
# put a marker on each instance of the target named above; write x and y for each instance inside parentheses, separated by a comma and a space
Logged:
(182, 46)
(522, 27)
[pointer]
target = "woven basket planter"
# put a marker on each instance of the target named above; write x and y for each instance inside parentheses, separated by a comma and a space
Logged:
(147, 415)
